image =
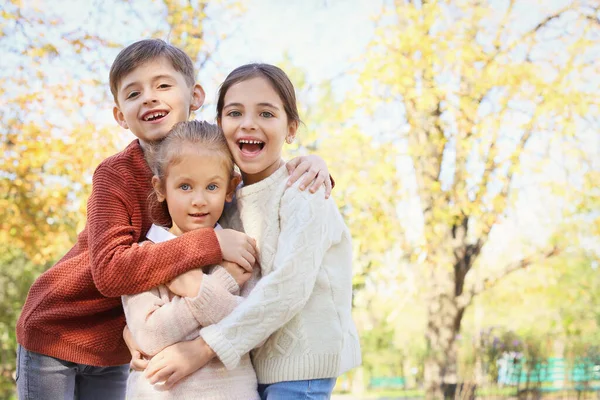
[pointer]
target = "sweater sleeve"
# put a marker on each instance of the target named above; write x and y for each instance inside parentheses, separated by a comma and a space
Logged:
(306, 235)
(119, 265)
(157, 322)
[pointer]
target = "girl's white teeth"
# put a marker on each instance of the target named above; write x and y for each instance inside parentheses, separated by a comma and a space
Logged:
(243, 141)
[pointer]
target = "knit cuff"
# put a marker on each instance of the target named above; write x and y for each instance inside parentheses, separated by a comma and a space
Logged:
(225, 279)
(221, 346)
(209, 297)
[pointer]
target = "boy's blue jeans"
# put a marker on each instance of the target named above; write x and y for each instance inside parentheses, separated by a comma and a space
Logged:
(312, 389)
(45, 377)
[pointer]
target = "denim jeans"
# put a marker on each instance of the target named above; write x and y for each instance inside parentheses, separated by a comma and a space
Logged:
(45, 377)
(312, 389)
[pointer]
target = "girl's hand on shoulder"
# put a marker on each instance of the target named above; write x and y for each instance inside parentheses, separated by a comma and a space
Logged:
(237, 247)
(187, 284)
(238, 273)
(178, 361)
(315, 171)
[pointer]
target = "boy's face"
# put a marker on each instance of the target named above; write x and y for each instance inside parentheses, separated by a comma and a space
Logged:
(154, 97)
(196, 189)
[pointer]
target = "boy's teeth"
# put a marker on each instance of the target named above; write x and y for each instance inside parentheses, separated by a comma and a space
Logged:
(155, 115)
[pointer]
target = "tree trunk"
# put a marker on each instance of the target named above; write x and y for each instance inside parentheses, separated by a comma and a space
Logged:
(443, 325)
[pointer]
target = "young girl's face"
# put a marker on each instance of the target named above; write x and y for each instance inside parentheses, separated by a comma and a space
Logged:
(196, 189)
(255, 125)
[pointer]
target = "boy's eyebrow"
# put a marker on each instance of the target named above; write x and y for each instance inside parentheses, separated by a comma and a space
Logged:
(124, 89)
(163, 76)
(259, 104)
(154, 78)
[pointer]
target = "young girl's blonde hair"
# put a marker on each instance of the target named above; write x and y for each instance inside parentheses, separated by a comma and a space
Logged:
(167, 152)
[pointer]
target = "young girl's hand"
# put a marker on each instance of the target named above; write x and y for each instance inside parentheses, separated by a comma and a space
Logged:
(178, 361)
(187, 284)
(139, 360)
(238, 273)
(237, 247)
(316, 172)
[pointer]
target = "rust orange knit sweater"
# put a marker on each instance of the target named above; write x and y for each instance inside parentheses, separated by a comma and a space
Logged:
(73, 311)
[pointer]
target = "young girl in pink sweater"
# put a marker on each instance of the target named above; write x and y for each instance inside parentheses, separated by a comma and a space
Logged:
(193, 177)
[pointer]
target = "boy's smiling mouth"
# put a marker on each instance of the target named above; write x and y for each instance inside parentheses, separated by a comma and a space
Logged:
(154, 116)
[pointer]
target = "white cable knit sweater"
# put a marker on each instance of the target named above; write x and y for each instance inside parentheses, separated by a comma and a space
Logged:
(158, 318)
(302, 304)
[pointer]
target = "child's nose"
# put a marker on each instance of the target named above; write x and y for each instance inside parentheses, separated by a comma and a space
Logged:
(199, 200)
(150, 97)
(248, 123)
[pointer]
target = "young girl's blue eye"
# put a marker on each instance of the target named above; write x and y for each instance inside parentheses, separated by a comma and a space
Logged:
(185, 186)
(212, 187)
(234, 114)
(266, 114)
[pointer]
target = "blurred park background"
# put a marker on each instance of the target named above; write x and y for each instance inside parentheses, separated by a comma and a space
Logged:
(463, 136)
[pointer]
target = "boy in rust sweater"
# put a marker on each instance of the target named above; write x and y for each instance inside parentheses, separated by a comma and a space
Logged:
(71, 326)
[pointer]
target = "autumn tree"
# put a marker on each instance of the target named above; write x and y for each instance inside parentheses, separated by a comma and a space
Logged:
(479, 89)
(57, 126)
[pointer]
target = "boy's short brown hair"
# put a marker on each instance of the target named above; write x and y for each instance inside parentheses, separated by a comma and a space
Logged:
(146, 50)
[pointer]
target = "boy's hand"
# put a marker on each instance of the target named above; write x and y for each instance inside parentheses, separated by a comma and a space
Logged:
(237, 247)
(316, 172)
(139, 360)
(187, 284)
(178, 361)
(238, 273)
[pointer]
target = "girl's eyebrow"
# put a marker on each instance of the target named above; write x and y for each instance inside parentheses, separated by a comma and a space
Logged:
(233, 105)
(268, 105)
(259, 104)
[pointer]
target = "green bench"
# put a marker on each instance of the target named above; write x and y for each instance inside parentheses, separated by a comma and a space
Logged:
(395, 382)
(553, 375)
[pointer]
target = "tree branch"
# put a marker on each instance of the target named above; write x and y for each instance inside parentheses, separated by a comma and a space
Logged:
(487, 283)
(529, 34)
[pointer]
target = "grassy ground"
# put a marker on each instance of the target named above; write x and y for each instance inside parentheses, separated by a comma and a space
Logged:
(491, 393)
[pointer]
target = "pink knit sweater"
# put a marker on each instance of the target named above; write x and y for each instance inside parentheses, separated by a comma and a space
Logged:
(158, 318)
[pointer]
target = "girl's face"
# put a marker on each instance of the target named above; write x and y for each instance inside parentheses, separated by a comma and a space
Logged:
(195, 189)
(256, 126)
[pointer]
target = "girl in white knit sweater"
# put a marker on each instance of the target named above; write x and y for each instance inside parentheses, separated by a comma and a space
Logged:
(302, 304)
(193, 176)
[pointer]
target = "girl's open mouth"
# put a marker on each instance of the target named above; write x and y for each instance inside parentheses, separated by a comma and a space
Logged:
(250, 147)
